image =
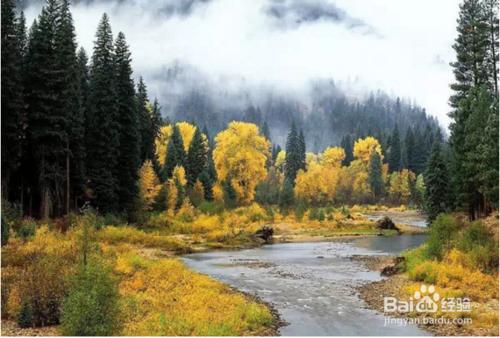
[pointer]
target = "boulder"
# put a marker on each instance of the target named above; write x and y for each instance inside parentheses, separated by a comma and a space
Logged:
(386, 224)
(265, 233)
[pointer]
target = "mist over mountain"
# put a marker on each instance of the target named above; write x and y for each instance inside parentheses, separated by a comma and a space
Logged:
(326, 110)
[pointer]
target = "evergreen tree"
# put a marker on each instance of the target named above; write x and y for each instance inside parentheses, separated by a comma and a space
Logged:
(295, 153)
(12, 95)
(22, 36)
(475, 72)
(394, 160)
(102, 131)
(129, 155)
(176, 156)
(47, 119)
(150, 123)
(409, 149)
(196, 158)
(489, 157)
(347, 144)
(471, 49)
(375, 175)
(491, 14)
(437, 187)
(287, 196)
(69, 103)
(302, 151)
(208, 177)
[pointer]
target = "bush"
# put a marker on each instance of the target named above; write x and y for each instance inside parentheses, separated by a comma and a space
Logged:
(42, 288)
(25, 317)
(480, 245)
(317, 214)
(442, 234)
(300, 210)
(91, 306)
(5, 231)
(211, 208)
(187, 212)
(27, 229)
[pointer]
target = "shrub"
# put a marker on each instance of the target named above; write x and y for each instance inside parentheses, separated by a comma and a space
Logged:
(255, 213)
(211, 207)
(300, 210)
(42, 290)
(480, 245)
(187, 212)
(91, 306)
(442, 233)
(317, 214)
(25, 317)
(27, 229)
(5, 231)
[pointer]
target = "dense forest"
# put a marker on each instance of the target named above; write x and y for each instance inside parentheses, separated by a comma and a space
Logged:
(77, 129)
(325, 112)
(101, 190)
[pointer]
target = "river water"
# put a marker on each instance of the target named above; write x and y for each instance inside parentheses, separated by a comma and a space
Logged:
(312, 285)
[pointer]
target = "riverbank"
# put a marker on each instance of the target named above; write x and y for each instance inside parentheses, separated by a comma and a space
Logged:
(141, 257)
(398, 286)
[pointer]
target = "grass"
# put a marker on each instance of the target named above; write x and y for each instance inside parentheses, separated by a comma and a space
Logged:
(461, 260)
(163, 297)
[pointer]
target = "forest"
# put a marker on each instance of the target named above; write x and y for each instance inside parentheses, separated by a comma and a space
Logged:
(101, 190)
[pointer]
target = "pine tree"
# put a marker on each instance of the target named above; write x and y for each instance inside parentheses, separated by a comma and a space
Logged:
(286, 196)
(46, 117)
(150, 123)
(208, 176)
(437, 186)
(295, 153)
(302, 151)
(12, 95)
(489, 157)
(129, 155)
(102, 130)
(176, 155)
(491, 14)
(475, 69)
(375, 175)
(409, 150)
(347, 144)
(70, 103)
(394, 160)
(471, 48)
(196, 157)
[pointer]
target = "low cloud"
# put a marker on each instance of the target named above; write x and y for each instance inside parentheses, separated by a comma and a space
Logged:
(289, 14)
(284, 44)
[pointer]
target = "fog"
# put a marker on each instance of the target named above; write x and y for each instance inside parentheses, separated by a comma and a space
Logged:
(257, 46)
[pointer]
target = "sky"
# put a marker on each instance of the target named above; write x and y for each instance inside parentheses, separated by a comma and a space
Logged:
(403, 47)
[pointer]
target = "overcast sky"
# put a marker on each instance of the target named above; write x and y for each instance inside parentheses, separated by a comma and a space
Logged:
(400, 46)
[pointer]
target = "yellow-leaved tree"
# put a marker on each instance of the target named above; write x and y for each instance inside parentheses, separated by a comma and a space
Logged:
(333, 157)
(149, 186)
(280, 161)
(358, 169)
(317, 185)
(400, 186)
(187, 131)
(161, 143)
(240, 156)
(363, 149)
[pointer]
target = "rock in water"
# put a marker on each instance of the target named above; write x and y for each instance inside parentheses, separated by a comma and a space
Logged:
(265, 233)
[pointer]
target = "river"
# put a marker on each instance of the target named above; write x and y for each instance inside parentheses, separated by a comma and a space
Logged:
(311, 285)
